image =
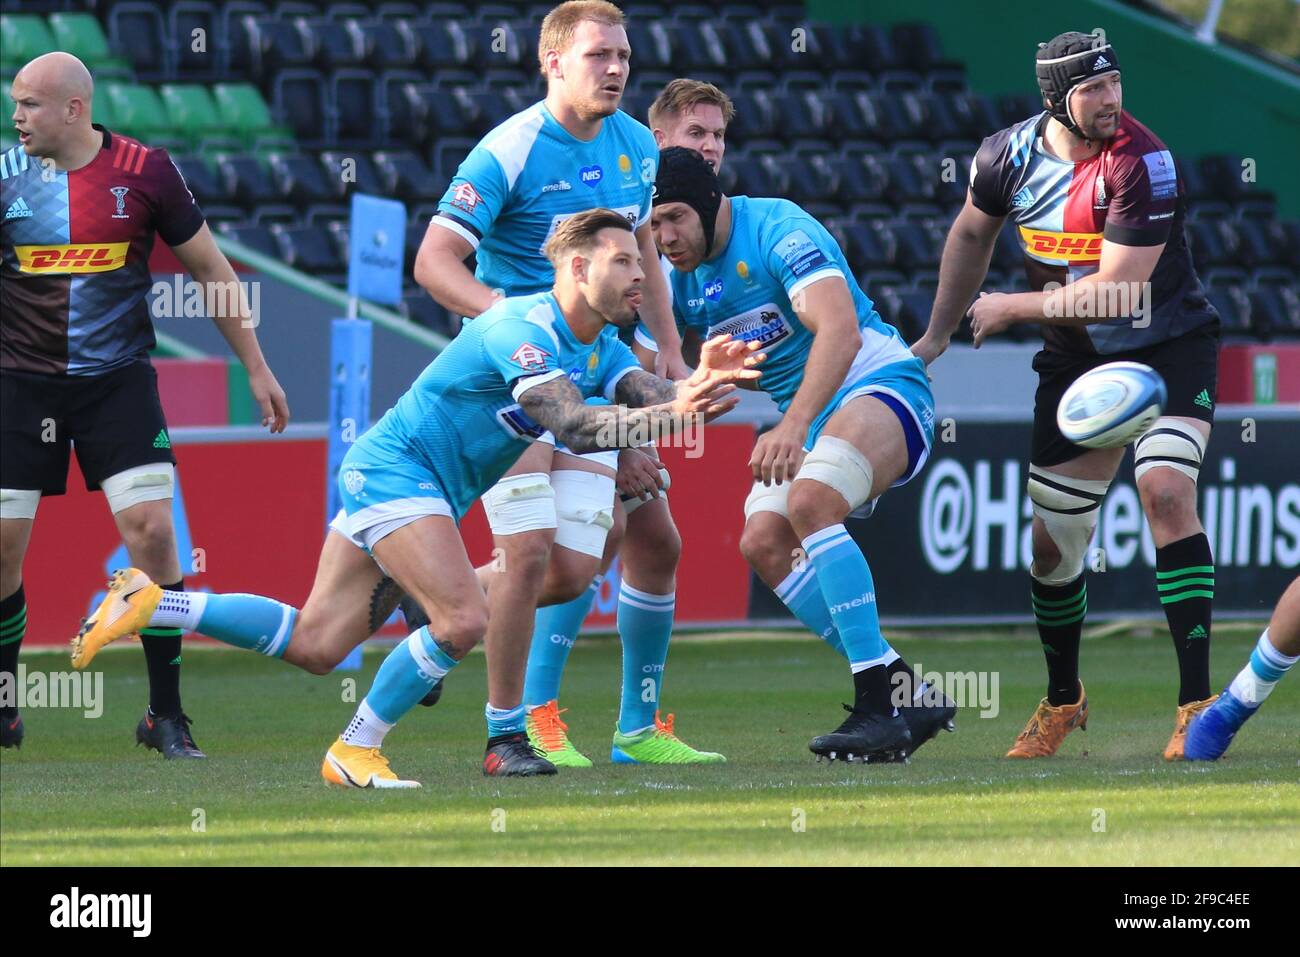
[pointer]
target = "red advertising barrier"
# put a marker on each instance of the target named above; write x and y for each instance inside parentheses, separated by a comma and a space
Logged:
(1266, 374)
(250, 517)
(193, 391)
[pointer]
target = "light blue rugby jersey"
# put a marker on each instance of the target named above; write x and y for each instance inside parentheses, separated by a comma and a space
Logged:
(774, 251)
(530, 174)
(460, 419)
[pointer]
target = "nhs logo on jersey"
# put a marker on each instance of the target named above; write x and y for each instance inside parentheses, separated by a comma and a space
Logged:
(713, 290)
(766, 324)
(590, 175)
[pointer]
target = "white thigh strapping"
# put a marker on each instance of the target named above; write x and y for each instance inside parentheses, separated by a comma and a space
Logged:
(838, 464)
(520, 503)
(19, 502)
(144, 483)
(584, 507)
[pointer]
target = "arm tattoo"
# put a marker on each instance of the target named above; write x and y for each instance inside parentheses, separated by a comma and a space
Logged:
(557, 405)
(641, 388)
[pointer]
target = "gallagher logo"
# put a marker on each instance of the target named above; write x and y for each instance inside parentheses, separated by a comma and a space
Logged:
(72, 257)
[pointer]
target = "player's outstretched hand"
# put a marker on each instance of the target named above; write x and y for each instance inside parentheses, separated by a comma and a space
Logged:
(707, 398)
(269, 398)
(725, 359)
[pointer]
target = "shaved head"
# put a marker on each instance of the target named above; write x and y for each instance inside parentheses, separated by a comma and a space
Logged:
(52, 97)
(60, 75)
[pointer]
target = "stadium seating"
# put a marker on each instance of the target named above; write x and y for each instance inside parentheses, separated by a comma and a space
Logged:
(276, 112)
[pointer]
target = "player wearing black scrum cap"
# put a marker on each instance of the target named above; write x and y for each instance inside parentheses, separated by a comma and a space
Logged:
(1098, 206)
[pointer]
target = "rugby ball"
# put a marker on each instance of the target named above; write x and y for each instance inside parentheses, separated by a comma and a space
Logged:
(1110, 406)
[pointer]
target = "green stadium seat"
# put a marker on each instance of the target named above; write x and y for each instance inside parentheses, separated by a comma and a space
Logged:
(192, 112)
(81, 35)
(22, 37)
(138, 111)
(245, 113)
(8, 140)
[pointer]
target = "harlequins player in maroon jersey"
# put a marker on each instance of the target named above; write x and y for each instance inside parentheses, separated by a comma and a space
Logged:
(81, 206)
(1098, 206)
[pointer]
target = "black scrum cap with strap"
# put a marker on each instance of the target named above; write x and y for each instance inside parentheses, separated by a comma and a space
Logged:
(686, 177)
(1066, 61)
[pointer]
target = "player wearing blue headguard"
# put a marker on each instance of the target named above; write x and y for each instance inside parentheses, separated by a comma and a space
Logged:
(858, 417)
(523, 367)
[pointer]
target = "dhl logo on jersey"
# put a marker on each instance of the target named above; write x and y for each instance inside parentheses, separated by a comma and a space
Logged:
(72, 257)
(1071, 247)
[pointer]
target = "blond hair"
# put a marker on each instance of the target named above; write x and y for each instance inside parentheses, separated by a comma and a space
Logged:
(682, 94)
(560, 24)
(577, 234)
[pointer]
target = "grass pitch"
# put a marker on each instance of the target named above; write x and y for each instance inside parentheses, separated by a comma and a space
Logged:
(80, 793)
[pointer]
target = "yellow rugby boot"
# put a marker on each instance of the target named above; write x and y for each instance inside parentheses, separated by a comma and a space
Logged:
(1186, 712)
(350, 766)
(1049, 726)
(131, 599)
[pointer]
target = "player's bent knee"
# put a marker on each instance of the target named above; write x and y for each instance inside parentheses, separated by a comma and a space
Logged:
(1167, 498)
(144, 483)
(1169, 444)
(569, 574)
(838, 465)
(1068, 508)
(462, 630)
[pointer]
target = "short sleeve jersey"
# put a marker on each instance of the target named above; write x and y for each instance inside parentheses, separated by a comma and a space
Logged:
(461, 418)
(1129, 193)
(529, 175)
(775, 251)
(74, 255)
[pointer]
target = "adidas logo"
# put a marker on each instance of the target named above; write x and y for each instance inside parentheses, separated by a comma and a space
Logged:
(1023, 199)
(1197, 632)
(1101, 62)
(18, 209)
(160, 441)
(1204, 400)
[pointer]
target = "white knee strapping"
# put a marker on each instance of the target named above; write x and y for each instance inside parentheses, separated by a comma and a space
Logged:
(840, 465)
(1172, 444)
(630, 505)
(520, 503)
(144, 483)
(584, 507)
(19, 502)
(768, 498)
(1068, 508)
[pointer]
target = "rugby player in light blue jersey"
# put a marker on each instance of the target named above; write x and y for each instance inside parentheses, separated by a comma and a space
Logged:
(857, 418)
(555, 516)
(524, 367)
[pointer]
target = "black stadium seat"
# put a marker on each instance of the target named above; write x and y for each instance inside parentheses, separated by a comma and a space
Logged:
(444, 44)
(191, 64)
(137, 30)
(208, 188)
(388, 45)
(354, 111)
(335, 43)
(257, 238)
(307, 247)
(447, 156)
(299, 97)
(299, 178)
(276, 45)
(408, 177)
(350, 171)
(246, 180)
